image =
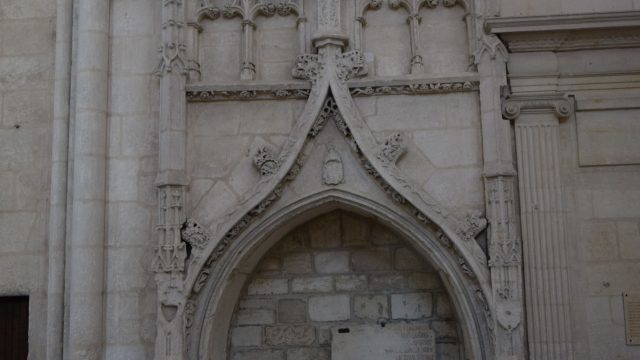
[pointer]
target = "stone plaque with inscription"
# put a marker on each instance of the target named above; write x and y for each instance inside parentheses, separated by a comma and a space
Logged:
(391, 342)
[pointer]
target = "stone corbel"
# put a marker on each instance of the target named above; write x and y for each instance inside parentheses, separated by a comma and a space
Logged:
(391, 149)
(265, 161)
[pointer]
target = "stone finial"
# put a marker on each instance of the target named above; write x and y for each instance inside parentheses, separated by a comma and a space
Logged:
(473, 225)
(391, 150)
(194, 234)
(265, 161)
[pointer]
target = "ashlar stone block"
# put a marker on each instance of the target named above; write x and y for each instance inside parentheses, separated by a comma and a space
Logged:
(351, 282)
(289, 335)
(355, 230)
(332, 262)
(292, 311)
(308, 354)
(411, 306)
(371, 260)
(246, 336)
(312, 285)
(371, 307)
(297, 263)
(268, 287)
(329, 308)
(408, 259)
(255, 317)
(324, 232)
(259, 355)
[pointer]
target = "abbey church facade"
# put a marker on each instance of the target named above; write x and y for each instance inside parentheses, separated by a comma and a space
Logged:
(320, 179)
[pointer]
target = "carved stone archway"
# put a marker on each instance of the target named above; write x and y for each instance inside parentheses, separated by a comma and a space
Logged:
(209, 322)
(195, 286)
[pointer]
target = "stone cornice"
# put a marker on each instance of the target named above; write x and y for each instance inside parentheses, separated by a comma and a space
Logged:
(560, 104)
(359, 87)
(568, 32)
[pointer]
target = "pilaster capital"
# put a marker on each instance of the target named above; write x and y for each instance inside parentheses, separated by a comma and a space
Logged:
(559, 104)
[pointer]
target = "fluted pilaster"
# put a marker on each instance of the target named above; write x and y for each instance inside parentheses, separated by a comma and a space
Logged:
(543, 225)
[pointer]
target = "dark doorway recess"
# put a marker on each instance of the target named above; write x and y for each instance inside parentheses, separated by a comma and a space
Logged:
(14, 327)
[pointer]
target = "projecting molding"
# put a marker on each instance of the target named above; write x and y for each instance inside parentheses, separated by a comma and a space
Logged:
(568, 32)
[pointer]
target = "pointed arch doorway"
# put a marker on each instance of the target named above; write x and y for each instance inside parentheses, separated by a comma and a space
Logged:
(218, 312)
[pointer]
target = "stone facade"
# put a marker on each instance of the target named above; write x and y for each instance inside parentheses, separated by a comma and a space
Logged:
(154, 155)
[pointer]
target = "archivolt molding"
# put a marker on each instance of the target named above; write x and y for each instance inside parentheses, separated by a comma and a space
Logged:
(400, 187)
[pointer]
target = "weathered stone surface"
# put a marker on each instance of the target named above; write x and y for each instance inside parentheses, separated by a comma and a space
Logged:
(443, 306)
(351, 282)
(334, 262)
(393, 341)
(255, 317)
(292, 311)
(407, 259)
(289, 335)
(268, 287)
(629, 238)
(325, 232)
(258, 355)
(312, 285)
(329, 308)
(382, 236)
(309, 354)
(371, 260)
(371, 307)
(296, 263)
(355, 230)
(608, 137)
(246, 336)
(270, 264)
(411, 306)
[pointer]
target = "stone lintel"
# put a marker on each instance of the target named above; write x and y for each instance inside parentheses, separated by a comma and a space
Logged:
(568, 32)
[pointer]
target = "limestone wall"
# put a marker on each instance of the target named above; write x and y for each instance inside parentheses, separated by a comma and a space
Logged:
(600, 176)
(223, 139)
(132, 164)
(444, 154)
(26, 90)
(338, 270)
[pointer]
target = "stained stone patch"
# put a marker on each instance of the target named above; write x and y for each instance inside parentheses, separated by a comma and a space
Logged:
(411, 306)
(371, 307)
(289, 335)
(292, 311)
